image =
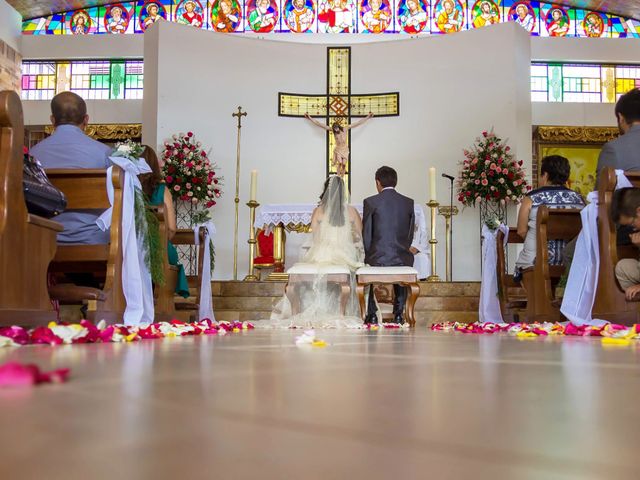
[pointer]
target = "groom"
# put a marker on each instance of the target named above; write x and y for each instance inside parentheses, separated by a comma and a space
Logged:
(388, 223)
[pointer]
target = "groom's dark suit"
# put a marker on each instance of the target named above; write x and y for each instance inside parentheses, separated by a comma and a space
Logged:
(388, 228)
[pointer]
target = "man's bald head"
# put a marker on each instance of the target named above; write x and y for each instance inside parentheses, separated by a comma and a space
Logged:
(68, 108)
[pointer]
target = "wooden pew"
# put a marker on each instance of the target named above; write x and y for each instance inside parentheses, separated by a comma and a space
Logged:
(86, 189)
(512, 305)
(610, 303)
(168, 306)
(27, 242)
(540, 282)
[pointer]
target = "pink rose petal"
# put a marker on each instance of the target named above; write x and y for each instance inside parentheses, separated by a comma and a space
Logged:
(16, 374)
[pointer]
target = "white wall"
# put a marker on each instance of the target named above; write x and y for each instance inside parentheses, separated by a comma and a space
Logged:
(449, 90)
(63, 47)
(10, 25)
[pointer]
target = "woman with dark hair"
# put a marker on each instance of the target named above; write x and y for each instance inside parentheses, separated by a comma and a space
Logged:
(553, 193)
(154, 188)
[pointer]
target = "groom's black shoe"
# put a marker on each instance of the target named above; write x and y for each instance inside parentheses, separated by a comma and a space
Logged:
(371, 319)
(397, 318)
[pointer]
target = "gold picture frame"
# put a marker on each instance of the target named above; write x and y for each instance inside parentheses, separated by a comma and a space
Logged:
(581, 145)
(109, 132)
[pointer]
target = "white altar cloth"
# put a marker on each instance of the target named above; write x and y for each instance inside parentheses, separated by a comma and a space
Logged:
(271, 215)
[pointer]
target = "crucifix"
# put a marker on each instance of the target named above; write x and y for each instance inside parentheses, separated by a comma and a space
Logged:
(338, 105)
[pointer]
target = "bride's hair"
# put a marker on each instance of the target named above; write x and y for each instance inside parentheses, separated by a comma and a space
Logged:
(332, 201)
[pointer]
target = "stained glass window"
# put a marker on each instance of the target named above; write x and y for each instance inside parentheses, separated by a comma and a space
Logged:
(91, 79)
(123, 79)
(413, 17)
(583, 83)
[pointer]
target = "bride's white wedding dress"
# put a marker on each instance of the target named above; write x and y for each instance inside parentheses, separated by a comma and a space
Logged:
(336, 242)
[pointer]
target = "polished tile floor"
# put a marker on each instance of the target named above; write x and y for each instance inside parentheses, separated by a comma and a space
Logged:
(371, 405)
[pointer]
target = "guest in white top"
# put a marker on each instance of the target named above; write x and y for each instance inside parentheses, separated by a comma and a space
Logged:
(553, 193)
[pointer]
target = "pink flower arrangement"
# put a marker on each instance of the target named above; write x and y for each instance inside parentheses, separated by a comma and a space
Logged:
(490, 172)
(188, 171)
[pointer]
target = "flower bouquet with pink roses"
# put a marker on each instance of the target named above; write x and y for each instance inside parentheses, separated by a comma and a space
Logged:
(188, 172)
(490, 173)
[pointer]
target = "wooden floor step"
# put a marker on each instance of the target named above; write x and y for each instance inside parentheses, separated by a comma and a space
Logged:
(422, 318)
(248, 289)
(245, 303)
(436, 304)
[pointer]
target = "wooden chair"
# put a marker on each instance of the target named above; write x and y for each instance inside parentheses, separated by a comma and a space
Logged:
(167, 304)
(264, 259)
(512, 305)
(610, 303)
(306, 273)
(27, 242)
(86, 189)
(540, 282)
(406, 276)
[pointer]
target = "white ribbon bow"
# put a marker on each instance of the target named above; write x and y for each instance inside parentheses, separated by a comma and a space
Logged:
(580, 292)
(136, 278)
(489, 310)
(205, 310)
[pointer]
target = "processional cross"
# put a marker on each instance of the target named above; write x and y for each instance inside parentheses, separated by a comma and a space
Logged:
(338, 104)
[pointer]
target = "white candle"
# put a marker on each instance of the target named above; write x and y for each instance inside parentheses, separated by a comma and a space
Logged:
(254, 185)
(432, 183)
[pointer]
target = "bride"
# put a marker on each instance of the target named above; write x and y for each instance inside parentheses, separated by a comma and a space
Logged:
(336, 242)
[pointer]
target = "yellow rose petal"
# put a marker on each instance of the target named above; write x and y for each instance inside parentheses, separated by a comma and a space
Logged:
(622, 342)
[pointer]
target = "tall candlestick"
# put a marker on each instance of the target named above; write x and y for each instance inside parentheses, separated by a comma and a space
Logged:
(254, 185)
(432, 184)
(433, 241)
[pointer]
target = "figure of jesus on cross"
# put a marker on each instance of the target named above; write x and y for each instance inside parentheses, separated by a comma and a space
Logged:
(340, 158)
(334, 109)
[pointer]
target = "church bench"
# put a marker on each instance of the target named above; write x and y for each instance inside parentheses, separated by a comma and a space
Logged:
(513, 304)
(302, 273)
(86, 189)
(610, 303)
(27, 242)
(167, 303)
(406, 276)
(541, 280)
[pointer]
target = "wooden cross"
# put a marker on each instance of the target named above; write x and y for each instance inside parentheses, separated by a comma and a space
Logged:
(338, 104)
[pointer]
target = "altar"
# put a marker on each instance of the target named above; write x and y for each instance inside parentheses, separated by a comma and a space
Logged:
(291, 225)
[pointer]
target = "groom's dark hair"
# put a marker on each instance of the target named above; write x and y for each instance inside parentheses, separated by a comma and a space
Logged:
(387, 177)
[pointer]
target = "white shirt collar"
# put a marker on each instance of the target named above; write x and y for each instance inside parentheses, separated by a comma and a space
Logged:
(388, 188)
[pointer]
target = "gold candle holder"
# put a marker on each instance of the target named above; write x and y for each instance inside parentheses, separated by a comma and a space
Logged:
(448, 213)
(251, 276)
(433, 205)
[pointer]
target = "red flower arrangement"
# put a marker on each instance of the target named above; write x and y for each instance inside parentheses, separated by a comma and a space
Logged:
(490, 172)
(188, 172)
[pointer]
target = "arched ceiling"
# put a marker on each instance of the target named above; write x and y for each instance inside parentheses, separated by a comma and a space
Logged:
(32, 9)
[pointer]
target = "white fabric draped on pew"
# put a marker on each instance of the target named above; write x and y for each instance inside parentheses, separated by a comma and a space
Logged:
(580, 292)
(489, 310)
(136, 278)
(205, 310)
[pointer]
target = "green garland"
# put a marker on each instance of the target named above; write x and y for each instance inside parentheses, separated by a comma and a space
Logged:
(149, 233)
(198, 218)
